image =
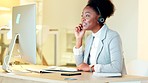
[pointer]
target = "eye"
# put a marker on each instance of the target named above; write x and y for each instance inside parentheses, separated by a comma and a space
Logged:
(87, 15)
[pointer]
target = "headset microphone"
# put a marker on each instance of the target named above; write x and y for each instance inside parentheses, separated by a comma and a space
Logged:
(100, 19)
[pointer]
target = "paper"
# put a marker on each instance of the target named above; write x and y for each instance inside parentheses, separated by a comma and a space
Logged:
(107, 74)
(56, 68)
(38, 70)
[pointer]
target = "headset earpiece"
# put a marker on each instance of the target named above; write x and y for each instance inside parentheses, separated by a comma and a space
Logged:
(101, 20)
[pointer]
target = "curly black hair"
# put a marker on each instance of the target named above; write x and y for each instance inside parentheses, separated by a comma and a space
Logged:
(105, 7)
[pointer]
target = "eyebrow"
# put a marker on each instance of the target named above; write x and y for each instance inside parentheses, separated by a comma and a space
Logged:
(85, 12)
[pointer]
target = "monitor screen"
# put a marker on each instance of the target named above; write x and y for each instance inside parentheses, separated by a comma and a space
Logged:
(23, 28)
(24, 24)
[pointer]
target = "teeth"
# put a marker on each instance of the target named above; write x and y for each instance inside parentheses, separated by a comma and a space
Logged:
(84, 24)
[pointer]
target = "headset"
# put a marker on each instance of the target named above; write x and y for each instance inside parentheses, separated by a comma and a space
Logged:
(100, 19)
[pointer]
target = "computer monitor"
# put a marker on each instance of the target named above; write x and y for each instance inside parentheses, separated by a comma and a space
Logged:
(23, 29)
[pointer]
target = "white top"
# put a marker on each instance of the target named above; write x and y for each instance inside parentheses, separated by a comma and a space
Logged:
(93, 51)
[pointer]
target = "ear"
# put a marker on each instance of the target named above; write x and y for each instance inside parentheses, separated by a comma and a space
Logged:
(97, 17)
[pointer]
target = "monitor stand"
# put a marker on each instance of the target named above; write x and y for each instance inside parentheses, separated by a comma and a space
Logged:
(7, 57)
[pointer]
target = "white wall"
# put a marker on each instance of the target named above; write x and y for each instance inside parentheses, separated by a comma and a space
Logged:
(143, 30)
(62, 13)
(5, 16)
(125, 22)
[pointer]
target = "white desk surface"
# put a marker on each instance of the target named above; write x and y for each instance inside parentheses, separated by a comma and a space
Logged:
(86, 77)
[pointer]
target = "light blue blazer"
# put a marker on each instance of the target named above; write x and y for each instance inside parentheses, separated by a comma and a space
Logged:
(109, 55)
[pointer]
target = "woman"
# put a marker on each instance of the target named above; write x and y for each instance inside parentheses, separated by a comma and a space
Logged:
(103, 49)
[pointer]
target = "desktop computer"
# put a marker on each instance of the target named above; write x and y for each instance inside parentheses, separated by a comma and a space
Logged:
(23, 29)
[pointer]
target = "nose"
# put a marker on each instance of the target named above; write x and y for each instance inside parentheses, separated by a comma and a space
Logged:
(83, 19)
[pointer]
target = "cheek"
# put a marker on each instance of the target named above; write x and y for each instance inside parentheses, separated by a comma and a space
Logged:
(89, 24)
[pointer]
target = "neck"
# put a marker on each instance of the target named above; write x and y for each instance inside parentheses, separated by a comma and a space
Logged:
(97, 28)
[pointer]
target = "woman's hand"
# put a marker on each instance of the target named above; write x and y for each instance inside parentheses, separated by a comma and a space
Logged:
(79, 33)
(84, 67)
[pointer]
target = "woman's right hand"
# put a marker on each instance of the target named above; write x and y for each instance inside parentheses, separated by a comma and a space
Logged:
(79, 33)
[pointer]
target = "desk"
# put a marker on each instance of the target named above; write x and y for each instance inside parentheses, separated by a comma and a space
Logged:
(86, 77)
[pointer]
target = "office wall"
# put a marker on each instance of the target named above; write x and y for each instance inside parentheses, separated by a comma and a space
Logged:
(143, 30)
(130, 20)
(62, 13)
(5, 15)
(125, 22)
(9, 3)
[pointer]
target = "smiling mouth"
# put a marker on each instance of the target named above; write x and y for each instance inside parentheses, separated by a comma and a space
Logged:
(84, 24)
